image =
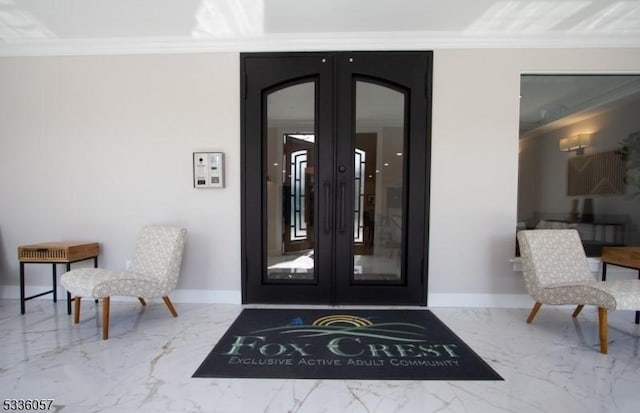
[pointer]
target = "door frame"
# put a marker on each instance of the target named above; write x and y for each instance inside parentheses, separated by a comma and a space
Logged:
(250, 218)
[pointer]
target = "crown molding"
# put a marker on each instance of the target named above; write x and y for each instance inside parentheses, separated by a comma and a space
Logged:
(314, 42)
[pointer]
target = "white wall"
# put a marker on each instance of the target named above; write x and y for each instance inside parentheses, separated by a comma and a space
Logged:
(95, 147)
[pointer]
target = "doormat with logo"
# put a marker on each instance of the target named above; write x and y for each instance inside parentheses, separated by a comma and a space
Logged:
(343, 344)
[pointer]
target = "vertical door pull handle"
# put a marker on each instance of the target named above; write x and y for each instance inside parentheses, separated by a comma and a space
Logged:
(342, 206)
(327, 204)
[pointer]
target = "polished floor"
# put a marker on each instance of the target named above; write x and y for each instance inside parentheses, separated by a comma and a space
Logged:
(146, 365)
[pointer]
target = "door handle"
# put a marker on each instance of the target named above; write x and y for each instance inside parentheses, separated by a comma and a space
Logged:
(327, 205)
(341, 207)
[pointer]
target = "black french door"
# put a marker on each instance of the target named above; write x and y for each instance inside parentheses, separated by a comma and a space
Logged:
(335, 183)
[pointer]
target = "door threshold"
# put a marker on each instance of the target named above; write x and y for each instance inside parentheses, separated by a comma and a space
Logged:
(338, 306)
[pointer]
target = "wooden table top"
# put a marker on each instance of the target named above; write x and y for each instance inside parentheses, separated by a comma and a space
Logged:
(58, 244)
(58, 251)
(624, 256)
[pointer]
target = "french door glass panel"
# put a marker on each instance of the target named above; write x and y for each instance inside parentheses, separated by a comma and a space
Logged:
(290, 183)
(378, 182)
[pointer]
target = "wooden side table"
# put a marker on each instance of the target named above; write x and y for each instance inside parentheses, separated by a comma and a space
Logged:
(628, 257)
(54, 253)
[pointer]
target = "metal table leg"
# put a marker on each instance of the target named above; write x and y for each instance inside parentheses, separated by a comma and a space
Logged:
(22, 309)
(55, 284)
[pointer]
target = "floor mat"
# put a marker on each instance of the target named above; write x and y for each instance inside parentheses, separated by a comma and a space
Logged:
(343, 344)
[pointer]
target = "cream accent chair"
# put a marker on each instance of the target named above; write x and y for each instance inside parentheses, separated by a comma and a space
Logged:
(556, 271)
(154, 272)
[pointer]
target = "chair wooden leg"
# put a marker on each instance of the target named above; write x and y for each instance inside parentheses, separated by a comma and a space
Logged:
(76, 309)
(169, 304)
(142, 301)
(534, 311)
(105, 318)
(577, 310)
(603, 327)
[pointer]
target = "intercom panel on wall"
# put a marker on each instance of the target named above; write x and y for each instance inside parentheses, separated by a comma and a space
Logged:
(208, 170)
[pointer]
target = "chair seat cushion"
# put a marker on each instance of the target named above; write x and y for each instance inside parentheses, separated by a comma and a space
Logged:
(625, 292)
(612, 295)
(100, 283)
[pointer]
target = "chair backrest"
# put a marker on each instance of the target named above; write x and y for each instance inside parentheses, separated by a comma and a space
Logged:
(552, 256)
(158, 254)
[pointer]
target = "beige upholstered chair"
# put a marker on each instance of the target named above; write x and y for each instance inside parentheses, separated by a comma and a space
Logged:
(154, 272)
(556, 271)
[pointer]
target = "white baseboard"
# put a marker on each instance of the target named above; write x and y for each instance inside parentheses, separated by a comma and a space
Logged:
(177, 296)
(235, 297)
(207, 296)
(480, 300)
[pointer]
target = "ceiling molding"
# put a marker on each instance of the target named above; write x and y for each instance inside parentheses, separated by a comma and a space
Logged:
(99, 27)
(335, 41)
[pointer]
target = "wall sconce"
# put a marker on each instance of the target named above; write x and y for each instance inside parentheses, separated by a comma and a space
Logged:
(575, 143)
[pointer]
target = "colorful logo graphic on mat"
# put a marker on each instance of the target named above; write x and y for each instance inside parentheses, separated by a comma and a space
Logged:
(342, 319)
(350, 325)
(326, 340)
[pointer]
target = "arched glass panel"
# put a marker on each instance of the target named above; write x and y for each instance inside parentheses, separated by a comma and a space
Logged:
(379, 182)
(290, 183)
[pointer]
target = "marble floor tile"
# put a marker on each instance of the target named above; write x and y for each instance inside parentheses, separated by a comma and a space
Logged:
(553, 365)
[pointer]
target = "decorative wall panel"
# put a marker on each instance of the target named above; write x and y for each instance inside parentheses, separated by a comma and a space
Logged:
(599, 174)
